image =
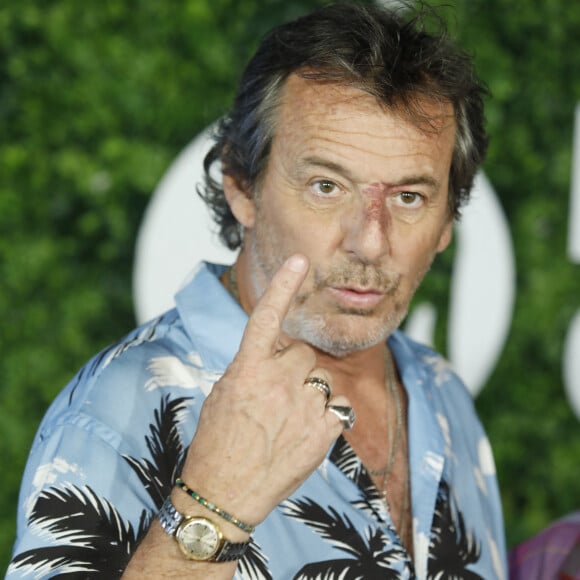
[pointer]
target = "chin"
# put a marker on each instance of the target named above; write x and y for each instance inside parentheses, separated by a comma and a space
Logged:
(339, 348)
(339, 338)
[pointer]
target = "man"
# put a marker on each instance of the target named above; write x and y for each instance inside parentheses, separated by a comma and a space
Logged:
(211, 445)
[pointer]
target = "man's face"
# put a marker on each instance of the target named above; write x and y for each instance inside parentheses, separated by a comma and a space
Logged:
(362, 192)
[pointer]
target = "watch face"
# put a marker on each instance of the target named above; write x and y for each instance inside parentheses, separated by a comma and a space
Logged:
(198, 538)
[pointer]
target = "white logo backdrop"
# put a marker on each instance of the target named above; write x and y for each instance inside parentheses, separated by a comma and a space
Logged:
(571, 366)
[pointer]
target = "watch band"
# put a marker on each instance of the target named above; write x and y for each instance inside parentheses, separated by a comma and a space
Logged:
(169, 517)
(170, 520)
(231, 551)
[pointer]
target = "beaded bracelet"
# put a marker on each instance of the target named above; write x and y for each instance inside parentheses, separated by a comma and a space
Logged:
(214, 508)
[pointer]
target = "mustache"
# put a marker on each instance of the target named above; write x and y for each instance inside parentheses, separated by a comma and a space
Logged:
(358, 275)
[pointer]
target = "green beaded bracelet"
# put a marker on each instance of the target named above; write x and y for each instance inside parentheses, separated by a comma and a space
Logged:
(214, 508)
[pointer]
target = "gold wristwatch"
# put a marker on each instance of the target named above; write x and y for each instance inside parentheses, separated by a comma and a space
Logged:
(199, 538)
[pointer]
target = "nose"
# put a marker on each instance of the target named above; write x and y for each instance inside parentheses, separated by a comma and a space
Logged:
(367, 229)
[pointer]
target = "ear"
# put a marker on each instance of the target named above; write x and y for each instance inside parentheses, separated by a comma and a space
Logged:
(240, 202)
(446, 235)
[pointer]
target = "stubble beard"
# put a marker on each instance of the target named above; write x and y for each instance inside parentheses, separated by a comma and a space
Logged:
(337, 333)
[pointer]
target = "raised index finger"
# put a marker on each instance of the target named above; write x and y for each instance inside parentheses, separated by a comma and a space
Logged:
(265, 323)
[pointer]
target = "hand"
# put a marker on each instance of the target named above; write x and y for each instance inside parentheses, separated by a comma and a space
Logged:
(262, 432)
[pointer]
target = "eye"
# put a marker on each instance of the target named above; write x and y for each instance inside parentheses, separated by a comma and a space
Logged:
(410, 198)
(325, 188)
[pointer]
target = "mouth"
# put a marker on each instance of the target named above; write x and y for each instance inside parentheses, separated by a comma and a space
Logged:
(359, 298)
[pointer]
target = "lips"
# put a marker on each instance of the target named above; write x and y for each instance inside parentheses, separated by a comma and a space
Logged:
(360, 298)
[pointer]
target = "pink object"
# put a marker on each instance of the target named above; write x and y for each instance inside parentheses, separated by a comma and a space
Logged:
(571, 567)
(553, 554)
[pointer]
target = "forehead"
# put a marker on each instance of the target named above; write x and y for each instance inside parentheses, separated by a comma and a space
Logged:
(322, 115)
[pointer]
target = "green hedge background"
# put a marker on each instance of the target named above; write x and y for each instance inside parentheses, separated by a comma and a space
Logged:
(97, 99)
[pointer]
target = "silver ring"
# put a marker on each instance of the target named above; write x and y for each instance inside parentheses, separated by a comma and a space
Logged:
(320, 385)
(345, 414)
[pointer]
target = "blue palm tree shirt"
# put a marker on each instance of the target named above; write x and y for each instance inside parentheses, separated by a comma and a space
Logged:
(111, 445)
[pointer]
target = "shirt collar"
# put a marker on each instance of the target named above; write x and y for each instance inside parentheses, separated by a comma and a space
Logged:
(213, 320)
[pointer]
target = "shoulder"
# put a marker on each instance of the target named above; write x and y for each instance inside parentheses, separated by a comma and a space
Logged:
(126, 383)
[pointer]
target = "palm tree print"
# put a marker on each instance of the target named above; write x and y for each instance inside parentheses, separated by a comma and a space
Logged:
(344, 457)
(371, 501)
(166, 449)
(368, 556)
(452, 547)
(94, 540)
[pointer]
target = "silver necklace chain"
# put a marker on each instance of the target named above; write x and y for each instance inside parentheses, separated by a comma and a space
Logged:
(394, 391)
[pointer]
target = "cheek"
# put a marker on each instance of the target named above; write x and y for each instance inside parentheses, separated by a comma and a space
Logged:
(300, 232)
(278, 237)
(413, 255)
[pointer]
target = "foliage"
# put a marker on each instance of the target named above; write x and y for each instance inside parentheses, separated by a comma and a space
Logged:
(96, 100)
(529, 55)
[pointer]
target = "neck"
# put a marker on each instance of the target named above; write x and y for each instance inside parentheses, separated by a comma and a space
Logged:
(237, 282)
(229, 280)
(356, 374)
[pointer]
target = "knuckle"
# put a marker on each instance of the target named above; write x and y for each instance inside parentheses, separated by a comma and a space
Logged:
(243, 370)
(266, 318)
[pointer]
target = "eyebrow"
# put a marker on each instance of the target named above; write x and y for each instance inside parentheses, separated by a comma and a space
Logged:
(420, 179)
(315, 161)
